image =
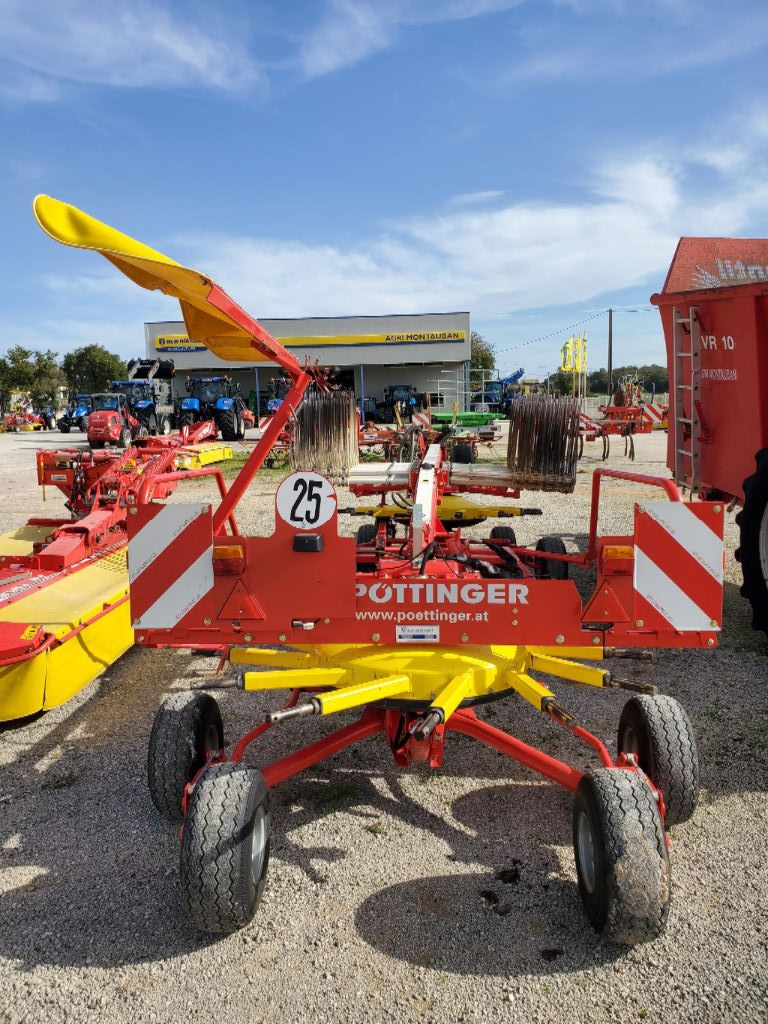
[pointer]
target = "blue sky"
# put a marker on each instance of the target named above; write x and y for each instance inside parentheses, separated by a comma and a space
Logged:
(532, 161)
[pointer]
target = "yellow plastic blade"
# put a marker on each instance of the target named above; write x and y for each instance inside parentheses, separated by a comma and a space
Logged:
(211, 317)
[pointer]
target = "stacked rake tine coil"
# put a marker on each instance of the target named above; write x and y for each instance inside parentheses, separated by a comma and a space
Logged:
(325, 434)
(543, 447)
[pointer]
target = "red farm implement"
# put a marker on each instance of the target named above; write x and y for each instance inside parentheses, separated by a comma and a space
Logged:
(416, 625)
(64, 580)
(714, 308)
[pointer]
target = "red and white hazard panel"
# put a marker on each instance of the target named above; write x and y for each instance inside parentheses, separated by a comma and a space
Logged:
(170, 563)
(421, 419)
(678, 573)
(654, 413)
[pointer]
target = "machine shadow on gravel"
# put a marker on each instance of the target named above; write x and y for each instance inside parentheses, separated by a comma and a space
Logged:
(83, 854)
(520, 915)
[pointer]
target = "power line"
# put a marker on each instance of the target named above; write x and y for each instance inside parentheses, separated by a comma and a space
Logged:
(578, 323)
(553, 334)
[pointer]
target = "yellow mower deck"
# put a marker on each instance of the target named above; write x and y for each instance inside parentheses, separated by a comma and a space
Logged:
(204, 454)
(55, 674)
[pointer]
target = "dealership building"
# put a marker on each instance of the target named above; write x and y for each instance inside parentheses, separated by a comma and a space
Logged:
(429, 351)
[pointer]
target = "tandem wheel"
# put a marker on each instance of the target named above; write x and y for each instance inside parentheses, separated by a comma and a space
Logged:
(225, 848)
(186, 731)
(548, 568)
(660, 735)
(621, 855)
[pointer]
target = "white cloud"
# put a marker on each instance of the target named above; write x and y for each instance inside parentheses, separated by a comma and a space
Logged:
(351, 30)
(476, 198)
(515, 256)
(493, 261)
(622, 40)
(134, 43)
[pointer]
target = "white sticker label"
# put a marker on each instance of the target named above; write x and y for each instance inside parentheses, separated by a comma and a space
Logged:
(305, 500)
(417, 634)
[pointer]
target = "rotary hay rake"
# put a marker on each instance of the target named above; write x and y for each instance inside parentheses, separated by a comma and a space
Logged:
(415, 624)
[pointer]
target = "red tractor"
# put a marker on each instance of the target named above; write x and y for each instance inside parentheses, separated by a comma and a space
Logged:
(111, 422)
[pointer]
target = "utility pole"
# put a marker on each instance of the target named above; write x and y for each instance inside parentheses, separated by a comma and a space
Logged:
(610, 355)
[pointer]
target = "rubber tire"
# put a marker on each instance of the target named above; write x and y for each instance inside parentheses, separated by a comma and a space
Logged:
(125, 438)
(666, 751)
(629, 897)
(164, 426)
(82, 424)
(463, 454)
(96, 445)
(227, 424)
(240, 426)
(149, 423)
(65, 426)
(218, 890)
(141, 431)
(179, 746)
(365, 534)
(503, 533)
(551, 570)
(408, 448)
(753, 521)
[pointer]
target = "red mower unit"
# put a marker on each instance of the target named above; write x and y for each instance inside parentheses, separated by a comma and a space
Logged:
(414, 625)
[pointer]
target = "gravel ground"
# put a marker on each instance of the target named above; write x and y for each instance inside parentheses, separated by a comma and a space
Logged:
(384, 898)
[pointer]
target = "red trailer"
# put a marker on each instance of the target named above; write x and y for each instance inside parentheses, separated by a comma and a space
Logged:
(714, 308)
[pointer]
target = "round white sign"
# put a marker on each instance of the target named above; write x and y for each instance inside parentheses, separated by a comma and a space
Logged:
(305, 500)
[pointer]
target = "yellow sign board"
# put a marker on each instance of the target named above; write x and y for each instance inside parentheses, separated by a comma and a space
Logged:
(181, 343)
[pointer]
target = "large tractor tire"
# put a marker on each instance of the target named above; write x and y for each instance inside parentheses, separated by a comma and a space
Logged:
(64, 426)
(125, 438)
(240, 427)
(753, 547)
(228, 425)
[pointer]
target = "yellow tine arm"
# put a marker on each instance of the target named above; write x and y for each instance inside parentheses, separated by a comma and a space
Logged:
(453, 693)
(570, 670)
(266, 656)
(584, 653)
(528, 688)
(364, 693)
(293, 678)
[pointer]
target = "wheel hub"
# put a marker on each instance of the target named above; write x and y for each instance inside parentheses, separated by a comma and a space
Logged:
(258, 844)
(586, 850)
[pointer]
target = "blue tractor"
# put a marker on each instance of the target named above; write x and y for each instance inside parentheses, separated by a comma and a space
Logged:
(76, 414)
(149, 393)
(217, 399)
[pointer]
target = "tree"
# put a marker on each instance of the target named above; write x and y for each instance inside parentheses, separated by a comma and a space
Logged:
(91, 368)
(483, 356)
(47, 378)
(560, 383)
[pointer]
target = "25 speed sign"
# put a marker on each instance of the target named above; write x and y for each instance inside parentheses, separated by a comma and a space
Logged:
(305, 500)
